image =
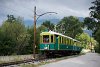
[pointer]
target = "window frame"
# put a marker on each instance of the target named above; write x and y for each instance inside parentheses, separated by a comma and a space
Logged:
(52, 39)
(44, 41)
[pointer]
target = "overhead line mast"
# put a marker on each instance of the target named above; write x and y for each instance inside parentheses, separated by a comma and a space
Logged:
(35, 20)
(34, 32)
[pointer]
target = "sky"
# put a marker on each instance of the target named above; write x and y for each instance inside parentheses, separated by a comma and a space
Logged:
(25, 8)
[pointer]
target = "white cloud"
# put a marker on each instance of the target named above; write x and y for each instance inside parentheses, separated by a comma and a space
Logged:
(62, 10)
(24, 8)
(2, 19)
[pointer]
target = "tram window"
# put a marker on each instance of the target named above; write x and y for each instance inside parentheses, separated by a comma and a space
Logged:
(64, 40)
(45, 38)
(75, 43)
(60, 40)
(51, 38)
(70, 42)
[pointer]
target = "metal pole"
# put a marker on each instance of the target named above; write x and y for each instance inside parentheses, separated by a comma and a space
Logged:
(35, 20)
(34, 32)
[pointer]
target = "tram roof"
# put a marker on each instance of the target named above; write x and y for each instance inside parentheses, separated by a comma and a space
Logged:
(52, 32)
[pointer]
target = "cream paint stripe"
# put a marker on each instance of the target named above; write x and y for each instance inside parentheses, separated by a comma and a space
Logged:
(49, 38)
(42, 39)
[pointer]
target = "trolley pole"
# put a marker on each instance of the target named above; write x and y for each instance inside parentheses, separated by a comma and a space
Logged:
(34, 32)
(35, 20)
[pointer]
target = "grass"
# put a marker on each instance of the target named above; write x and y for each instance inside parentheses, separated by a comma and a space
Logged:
(5, 59)
(43, 63)
(15, 59)
(2, 62)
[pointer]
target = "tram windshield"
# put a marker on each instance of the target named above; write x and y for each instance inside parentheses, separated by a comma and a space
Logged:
(45, 38)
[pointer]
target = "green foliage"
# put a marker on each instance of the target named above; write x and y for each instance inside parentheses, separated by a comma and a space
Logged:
(41, 28)
(97, 47)
(89, 23)
(95, 14)
(95, 10)
(11, 18)
(49, 25)
(30, 31)
(13, 38)
(85, 40)
(93, 22)
(98, 35)
(70, 26)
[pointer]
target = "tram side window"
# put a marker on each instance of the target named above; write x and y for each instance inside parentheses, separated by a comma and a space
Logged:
(62, 40)
(59, 40)
(75, 43)
(45, 38)
(51, 38)
(70, 42)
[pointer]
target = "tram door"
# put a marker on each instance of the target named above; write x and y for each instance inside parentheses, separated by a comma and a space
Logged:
(56, 44)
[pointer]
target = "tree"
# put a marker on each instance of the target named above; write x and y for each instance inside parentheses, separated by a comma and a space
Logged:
(70, 26)
(40, 29)
(95, 13)
(48, 24)
(95, 10)
(14, 37)
(86, 40)
(11, 18)
(93, 22)
(89, 23)
(97, 36)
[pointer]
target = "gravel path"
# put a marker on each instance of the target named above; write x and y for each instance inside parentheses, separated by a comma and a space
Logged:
(87, 60)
